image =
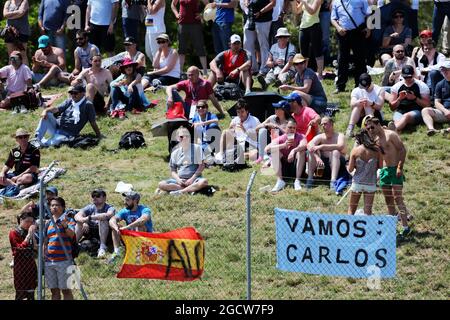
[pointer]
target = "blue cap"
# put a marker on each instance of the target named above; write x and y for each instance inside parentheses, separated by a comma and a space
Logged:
(53, 190)
(43, 41)
(283, 104)
(294, 96)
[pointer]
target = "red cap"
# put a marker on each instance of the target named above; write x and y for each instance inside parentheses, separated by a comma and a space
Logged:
(426, 34)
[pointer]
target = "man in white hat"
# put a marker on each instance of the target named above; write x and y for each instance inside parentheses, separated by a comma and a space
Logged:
(279, 66)
(232, 65)
(441, 111)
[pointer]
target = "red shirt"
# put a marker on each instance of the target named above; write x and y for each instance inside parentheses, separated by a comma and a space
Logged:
(195, 92)
(303, 118)
(188, 10)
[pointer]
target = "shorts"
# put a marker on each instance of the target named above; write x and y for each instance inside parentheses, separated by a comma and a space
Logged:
(327, 170)
(15, 174)
(23, 38)
(360, 188)
(99, 103)
(191, 33)
(173, 181)
(37, 77)
(388, 177)
(100, 37)
(57, 274)
(318, 104)
(416, 114)
(439, 116)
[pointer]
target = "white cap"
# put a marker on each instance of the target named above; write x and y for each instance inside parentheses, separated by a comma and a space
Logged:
(235, 38)
(446, 64)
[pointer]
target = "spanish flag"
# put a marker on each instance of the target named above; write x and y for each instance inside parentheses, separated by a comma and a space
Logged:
(175, 255)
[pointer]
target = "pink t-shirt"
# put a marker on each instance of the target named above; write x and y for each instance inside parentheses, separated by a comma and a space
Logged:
(199, 91)
(303, 118)
(16, 80)
(283, 138)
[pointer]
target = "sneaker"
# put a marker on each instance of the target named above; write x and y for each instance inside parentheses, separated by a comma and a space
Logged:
(219, 158)
(16, 110)
(101, 253)
(405, 232)
(297, 185)
(279, 185)
(262, 81)
(445, 132)
(176, 193)
(23, 109)
(332, 186)
(309, 183)
(247, 91)
(391, 126)
(121, 114)
(114, 257)
(432, 132)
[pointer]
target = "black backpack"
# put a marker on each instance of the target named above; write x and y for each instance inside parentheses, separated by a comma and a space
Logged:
(132, 139)
(228, 91)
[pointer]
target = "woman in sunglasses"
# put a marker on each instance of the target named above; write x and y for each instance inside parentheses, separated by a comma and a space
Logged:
(396, 33)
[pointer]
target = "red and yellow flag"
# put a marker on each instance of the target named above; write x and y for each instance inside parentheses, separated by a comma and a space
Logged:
(175, 255)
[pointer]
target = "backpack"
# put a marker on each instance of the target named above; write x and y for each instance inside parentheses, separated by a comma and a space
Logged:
(132, 139)
(228, 91)
(235, 165)
(10, 191)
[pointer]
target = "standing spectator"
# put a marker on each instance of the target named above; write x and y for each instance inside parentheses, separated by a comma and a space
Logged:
(446, 37)
(82, 4)
(396, 33)
(22, 240)
(441, 10)
(190, 30)
(409, 97)
(52, 21)
(18, 79)
(100, 19)
(221, 29)
(348, 17)
(155, 26)
(393, 68)
(93, 220)
(25, 159)
(257, 28)
(279, 10)
(136, 216)
(441, 111)
(278, 67)
(16, 13)
(59, 233)
(166, 65)
(310, 37)
(307, 85)
(232, 65)
(365, 158)
(325, 17)
(132, 16)
(367, 99)
(84, 52)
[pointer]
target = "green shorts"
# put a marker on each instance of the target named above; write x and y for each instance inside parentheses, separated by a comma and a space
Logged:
(388, 177)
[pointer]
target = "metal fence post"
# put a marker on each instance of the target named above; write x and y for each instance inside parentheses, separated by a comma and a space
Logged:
(249, 211)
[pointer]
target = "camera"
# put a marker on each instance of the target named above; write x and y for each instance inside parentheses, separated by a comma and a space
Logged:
(251, 17)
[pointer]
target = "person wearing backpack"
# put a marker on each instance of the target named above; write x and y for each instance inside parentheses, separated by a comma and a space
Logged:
(59, 256)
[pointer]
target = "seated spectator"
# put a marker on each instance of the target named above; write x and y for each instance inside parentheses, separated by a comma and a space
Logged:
(127, 93)
(16, 13)
(49, 64)
(84, 52)
(326, 151)
(23, 247)
(409, 97)
(59, 233)
(307, 119)
(93, 220)
(131, 53)
(276, 124)
(25, 159)
(428, 65)
(97, 80)
(243, 128)
(232, 65)
(307, 85)
(137, 217)
(75, 113)
(365, 158)
(196, 89)
(18, 80)
(33, 208)
(287, 148)
(166, 65)
(186, 167)
(441, 111)
(396, 33)
(417, 52)
(206, 125)
(366, 99)
(393, 67)
(278, 67)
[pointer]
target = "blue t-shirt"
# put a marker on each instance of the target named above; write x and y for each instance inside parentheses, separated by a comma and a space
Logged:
(224, 14)
(131, 216)
(53, 13)
(205, 136)
(442, 92)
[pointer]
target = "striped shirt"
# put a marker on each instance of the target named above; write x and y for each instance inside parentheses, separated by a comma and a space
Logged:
(55, 251)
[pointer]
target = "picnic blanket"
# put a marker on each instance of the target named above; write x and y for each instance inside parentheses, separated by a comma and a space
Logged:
(34, 189)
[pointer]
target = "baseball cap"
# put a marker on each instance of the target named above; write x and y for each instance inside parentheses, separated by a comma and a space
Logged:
(76, 89)
(133, 195)
(365, 80)
(163, 36)
(408, 71)
(445, 64)
(235, 38)
(22, 132)
(283, 104)
(43, 41)
(294, 96)
(98, 192)
(426, 34)
(129, 40)
(52, 189)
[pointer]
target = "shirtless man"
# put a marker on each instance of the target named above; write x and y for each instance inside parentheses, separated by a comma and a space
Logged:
(391, 175)
(326, 151)
(97, 81)
(49, 64)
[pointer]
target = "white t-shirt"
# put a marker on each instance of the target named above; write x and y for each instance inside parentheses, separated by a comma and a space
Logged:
(249, 125)
(101, 11)
(374, 95)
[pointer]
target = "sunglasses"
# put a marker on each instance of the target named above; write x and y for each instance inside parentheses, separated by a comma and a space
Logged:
(202, 107)
(96, 196)
(303, 62)
(370, 128)
(161, 41)
(22, 137)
